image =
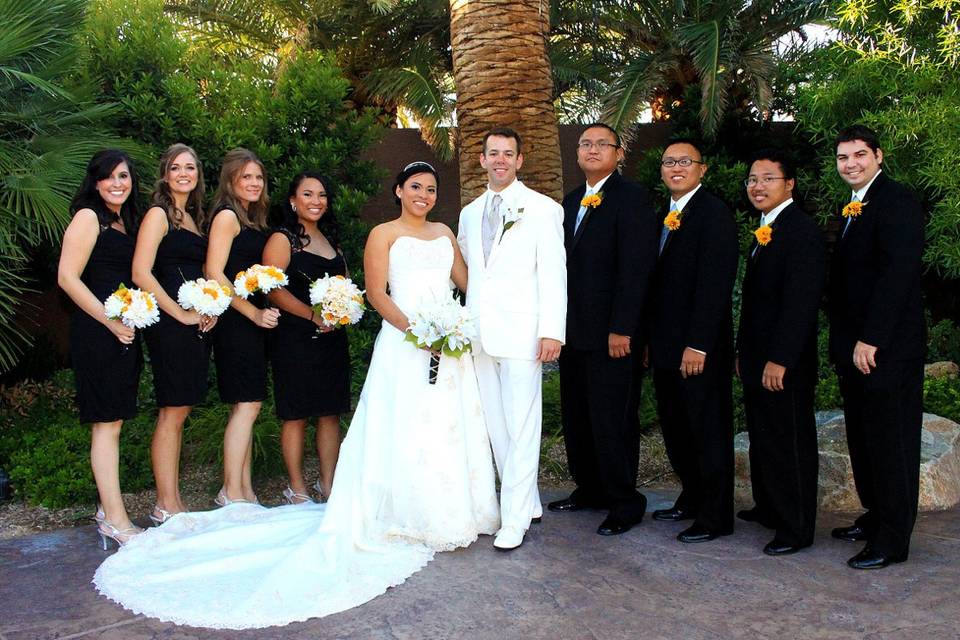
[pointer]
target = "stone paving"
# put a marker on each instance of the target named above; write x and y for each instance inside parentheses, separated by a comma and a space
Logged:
(564, 582)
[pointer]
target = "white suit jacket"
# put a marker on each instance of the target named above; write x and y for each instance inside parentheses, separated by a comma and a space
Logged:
(520, 294)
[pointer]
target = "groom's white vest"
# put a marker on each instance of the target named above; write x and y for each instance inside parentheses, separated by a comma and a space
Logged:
(519, 294)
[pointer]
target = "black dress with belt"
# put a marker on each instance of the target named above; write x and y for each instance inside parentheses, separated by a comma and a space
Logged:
(106, 372)
(179, 354)
(311, 370)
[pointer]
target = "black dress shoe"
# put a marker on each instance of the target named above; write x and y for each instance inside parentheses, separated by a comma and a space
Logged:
(698, 533)
(613, 526)
(673, 514)
(780, 548)
(567, 504)
(853, 533)
(536, 520)
(870, 559)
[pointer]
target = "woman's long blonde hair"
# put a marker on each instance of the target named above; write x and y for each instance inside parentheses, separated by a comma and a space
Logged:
(252, 214)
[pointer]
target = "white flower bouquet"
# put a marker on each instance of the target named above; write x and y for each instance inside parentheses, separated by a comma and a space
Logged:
(135, 308)
(206, 297)
(258, 278)
(442, 327)
(337, 300)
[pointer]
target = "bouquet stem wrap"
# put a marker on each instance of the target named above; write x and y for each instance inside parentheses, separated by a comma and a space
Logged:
(434, 368)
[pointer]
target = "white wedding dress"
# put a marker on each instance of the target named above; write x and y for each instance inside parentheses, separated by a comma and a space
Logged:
(415, 476)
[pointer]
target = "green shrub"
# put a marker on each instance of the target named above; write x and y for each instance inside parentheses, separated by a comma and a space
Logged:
(943, 342)
(941, 396)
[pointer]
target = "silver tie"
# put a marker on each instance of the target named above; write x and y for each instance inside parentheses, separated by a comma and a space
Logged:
(855, 198)
(491, 225)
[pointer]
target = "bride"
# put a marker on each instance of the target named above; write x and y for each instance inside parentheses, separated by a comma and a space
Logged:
(415, 474)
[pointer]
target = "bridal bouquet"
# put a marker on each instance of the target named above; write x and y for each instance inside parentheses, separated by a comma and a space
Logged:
(258, 278)
(134, 308)
(206, 297)
(337, 300)
(443, 327)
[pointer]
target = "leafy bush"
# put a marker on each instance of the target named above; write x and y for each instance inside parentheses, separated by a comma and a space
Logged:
(943, 342)
(942, 397)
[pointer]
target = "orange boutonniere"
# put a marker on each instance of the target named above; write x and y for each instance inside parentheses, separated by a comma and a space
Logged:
(672, 220)
(592, 201)
(764, 235)
(853, 209)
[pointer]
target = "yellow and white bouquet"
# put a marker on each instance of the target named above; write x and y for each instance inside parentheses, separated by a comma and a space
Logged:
(258, 278)
(206, 297)
(134, 308)
(337, 300)
(442, 327)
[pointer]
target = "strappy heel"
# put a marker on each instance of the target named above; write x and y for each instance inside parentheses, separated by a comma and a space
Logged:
(294, 497)
(222, 500)
(319, 489)
(108, 531)
(158, 516)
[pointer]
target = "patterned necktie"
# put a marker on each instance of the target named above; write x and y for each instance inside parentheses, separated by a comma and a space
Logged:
(491, 224)
(855, 198)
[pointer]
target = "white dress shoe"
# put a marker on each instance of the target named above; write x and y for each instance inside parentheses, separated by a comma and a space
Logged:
(508, 538)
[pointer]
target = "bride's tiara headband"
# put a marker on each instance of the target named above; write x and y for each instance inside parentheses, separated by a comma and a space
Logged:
(420, 163)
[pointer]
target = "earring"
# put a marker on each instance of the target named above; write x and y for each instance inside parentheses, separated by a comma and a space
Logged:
(294, 207)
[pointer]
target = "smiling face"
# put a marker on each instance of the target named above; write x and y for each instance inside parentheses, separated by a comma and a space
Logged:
(310, 200)
(115, 189)
(182, 174)
(248, 183)
(501, 160)
(769, 189)
(857, 163)
(418, 194)
(598, 153)
(682, 180)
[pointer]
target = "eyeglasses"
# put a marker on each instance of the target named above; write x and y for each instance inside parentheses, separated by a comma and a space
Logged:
(753, 181)
(683, 162)
(602, 145)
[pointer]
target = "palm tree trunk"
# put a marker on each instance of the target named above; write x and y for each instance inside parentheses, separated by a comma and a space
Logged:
(503, 78)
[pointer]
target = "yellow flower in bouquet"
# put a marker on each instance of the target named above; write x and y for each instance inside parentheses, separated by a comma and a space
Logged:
(259, 278)
(135, 308)
(764, 235)
(672, 220)
(337, 300)
(206, 297)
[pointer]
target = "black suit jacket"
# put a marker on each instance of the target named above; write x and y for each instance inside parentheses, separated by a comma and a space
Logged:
(782, 288)
(874, 288)
(692, 285)
(609, 262)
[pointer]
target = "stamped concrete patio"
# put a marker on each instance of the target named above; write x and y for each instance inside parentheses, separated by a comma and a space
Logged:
(564, 582)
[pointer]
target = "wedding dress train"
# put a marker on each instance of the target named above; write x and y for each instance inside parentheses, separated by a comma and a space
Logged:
(415, 476)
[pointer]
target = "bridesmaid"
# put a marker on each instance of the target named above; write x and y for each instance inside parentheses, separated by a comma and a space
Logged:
(95, 259)
(311, 362)
(170, 250)
(235, 242)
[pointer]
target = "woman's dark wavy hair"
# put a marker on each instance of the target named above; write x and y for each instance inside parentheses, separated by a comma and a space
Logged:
(412, 169)
(328, 224)
(99, 168)
(161, 192)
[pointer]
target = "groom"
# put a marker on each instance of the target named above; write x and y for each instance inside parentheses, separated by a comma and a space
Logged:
(512, 240)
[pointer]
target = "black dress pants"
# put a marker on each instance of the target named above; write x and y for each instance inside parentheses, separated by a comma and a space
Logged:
(696, 415)
(784, 461)
(883, 412)
(603, 445)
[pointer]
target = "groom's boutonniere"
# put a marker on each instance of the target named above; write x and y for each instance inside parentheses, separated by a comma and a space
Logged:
(764, 235)
(592, 201)
(853, 209)
(511, 218)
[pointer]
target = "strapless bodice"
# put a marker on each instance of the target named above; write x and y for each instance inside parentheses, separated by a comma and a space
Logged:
(419, 270)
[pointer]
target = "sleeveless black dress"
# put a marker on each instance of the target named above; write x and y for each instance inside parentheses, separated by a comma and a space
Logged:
(240, 346)
(179, 356)
(106, 373)
(311, 371)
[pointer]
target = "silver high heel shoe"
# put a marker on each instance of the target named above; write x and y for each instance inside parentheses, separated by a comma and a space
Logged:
(222, 500)
(158, 516)
(108, 531)
(320, 493)
(293, 497)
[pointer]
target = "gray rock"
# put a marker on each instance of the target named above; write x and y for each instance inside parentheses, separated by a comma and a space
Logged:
(939, 464)
(943, 369)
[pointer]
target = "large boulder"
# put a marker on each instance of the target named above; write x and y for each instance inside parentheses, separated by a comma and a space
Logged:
(939, 464)
(942, 369)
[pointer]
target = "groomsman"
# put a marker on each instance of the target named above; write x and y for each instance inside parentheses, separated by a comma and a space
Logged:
(878, 344)
(777, 355)
(691, 344)
(610, 235)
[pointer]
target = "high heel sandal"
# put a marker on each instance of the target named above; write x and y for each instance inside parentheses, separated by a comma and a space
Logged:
(108, 531)
(158, 516)
(319, 490)
(222, 500)
(293, 497)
